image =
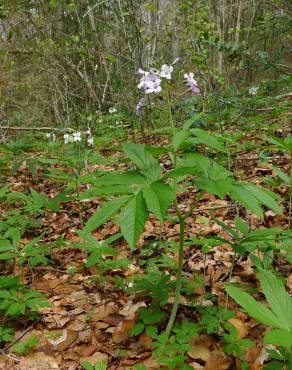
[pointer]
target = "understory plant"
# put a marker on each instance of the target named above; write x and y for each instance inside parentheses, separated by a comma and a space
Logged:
(277, 315)
(146, 188)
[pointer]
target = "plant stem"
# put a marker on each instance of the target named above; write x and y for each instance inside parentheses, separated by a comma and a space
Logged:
(178, 276)
(290, 196)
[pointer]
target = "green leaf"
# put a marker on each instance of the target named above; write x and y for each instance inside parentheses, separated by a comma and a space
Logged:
(137, 329)
(87, 365)
(254, 308)
(241, 226)
(244, 197)
(123, 178)
(279, 337)
(158, 197)
(211, 140)
(279, 299)
(143, 160)
(179, 138)
(282, 176)
(264, 196)
(104, 213)
(132, 219)
(106, 190)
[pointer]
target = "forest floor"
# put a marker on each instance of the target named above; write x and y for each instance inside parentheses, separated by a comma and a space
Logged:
(91, 315)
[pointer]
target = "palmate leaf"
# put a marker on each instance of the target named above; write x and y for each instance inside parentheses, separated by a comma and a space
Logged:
(132, 219)
(158, 197)
(104, 213)
(143, 160)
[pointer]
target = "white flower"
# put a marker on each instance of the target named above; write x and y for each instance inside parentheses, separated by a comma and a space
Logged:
(166, 71)
(88, 132)
(76, 136)
(112, 110)
(53, 137)
(253, 90)
(90, 141)
(67, 138)
(192, 83)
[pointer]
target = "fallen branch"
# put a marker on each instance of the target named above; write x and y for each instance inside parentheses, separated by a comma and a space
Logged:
(21, 128)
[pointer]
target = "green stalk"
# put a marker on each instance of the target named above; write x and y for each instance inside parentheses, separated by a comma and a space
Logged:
(178, 275)
(290, 196)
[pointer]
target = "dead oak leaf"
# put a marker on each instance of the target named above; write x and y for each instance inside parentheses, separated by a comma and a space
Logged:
(37, 361)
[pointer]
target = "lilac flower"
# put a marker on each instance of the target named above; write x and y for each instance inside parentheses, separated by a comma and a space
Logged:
(166, 71)
(150, 83)
(139, 106)
(192, 83)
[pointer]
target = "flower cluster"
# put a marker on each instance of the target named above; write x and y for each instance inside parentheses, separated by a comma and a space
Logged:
(50, 136)
(77, 137)
(112, 110)
(150, 81)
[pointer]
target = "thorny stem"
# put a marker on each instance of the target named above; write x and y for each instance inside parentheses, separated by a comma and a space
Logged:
(178, 275)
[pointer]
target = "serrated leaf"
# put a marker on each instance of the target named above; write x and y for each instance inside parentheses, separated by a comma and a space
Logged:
(279, 337)
(158, 197)
(279, 299)
(104, 213)
(137, 329)
(132, 219)
(241, 226)
(264, 196)
(254, 309)
(244, 197)
(143, 160)
(179, 138)
(123, 178)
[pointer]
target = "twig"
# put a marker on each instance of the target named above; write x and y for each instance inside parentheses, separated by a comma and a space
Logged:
(2, 352)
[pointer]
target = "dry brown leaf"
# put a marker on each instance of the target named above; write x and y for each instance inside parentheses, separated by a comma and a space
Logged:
(130, 309)
(6, 363)
(102, 311)
(145, 340)
(37, 361)
(218, 361)
(85, 350)
(123, 330)
(240, 326)
(200, 353)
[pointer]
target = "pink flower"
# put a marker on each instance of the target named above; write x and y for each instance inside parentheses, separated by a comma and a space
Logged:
(192, 83)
